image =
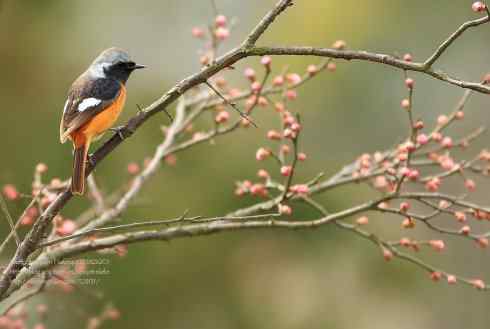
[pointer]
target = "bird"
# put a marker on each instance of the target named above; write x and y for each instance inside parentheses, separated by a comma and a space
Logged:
(94, 102)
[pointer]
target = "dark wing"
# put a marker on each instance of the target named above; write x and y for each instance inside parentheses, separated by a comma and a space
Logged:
(86, 99)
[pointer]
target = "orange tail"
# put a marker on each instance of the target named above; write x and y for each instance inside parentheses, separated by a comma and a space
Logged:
(79, 164)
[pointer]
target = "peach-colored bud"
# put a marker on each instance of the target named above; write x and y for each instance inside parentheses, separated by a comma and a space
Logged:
(409, 82)
(332, 67)
(170, 159)
(266, 61)
(460, 216)
(459, 115)
(478, 7)
(405, 242)
(262, 173)
(197, 32)
(470, 185)
(312, 69)
(204, 60)
(482, 242)
(301, 156)
(443, 204)
(222, 33)
(437, 245)
(422, 139)
(433, 184)
(41, 168)
(293, 78)
(435, 276)
(408, 223)
(413, 174)
(442, 120)
(478, 284)
(285, 209)
(383, 205)
(274, 135)
(279, 107)
(250, 74)
(447, 142)
(291, 94)
(285, 149)
(67, 227)
(387, 254)
(437, 136)
(405, 104)
(42, 309)
(296, 127)
(286, 170)
(339, 45)
(363, 220)
(222, 117)
(263, 102)
(121, 250)
(407, 58)
(133, 168)
(256, 86)
(451, 279)
(10, 192)
(113, 313)
(278, 81)
(289, 133)
(465, 230)
(258, 189)
(419, 124)
(262, 154)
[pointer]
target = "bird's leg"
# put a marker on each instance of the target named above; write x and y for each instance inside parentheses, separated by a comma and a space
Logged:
(118, 130)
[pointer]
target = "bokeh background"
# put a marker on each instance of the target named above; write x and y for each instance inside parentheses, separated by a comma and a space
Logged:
(310, 279)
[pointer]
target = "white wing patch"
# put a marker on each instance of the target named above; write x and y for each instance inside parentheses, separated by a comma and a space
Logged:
(88, 103)
(66, 105)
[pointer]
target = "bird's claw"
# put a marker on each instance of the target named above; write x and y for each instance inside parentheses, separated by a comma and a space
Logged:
(118, 131)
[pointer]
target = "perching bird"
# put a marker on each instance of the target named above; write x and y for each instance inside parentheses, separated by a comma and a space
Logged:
(94, 103)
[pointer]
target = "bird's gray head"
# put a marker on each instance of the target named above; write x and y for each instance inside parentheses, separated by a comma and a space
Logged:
(113, 63)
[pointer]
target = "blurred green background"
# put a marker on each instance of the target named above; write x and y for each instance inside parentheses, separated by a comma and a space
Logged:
(276, 279)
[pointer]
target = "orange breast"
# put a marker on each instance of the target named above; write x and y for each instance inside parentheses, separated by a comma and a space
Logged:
(102, 121)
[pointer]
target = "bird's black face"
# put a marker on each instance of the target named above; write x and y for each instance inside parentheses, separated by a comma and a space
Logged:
(121, 70)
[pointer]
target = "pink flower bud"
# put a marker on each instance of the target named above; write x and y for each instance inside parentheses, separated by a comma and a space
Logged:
(339, 45)
(133, 168)
(10, 192)
(478, 284)
(300, 189)
(197, 32)
(408, 223)
(266, 61)
(478, 7)
(301, 156)
(405, 242)
(437, 136)
(482, 242)
(249, 74)
(278, 81)
(407, 58)
(222, 33)
(332, 67)
(41, 168)
(262, 173)
(363, 220)
(67, 227)
(256, 86)
(419, 125)
(443, 204)
(465, 230)
(289, 133)
(286, 170)
(404, 206)
(470, 185)
(285, 209)
(451, 279)
(258, 189)
(220, 20)
(442, 120)
(113, 313)
(433, 184)
(435, 276)
(437, 245)
(222, 117)
(274, 135)
(460, 216)
(285, 149)
(387, 254)
(459, 115)
(262, 154)
(312, 69)
(447, 142)
(409, 82)
(293, 78)
(405, 104)
(422, 139)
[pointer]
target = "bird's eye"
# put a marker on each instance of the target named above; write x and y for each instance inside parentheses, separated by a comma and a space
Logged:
(130, 64)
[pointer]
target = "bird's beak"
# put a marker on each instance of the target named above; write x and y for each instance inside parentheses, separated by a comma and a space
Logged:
(139, 66)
